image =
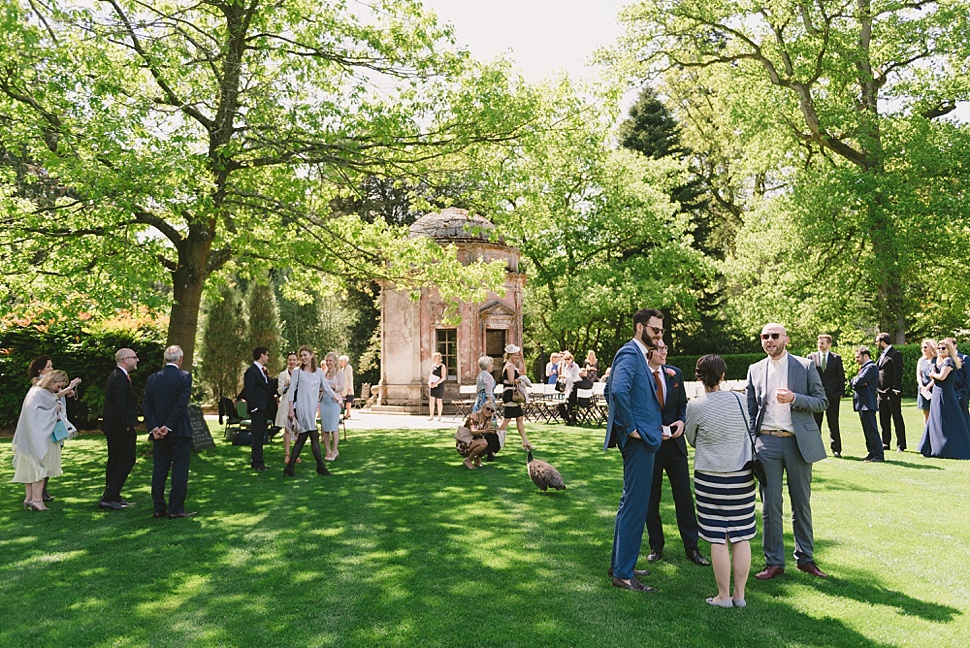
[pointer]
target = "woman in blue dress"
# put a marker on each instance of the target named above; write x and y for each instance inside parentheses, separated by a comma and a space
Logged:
(946, 434)
(924, 384)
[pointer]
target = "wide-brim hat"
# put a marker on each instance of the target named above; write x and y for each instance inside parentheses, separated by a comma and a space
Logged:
(511, 348)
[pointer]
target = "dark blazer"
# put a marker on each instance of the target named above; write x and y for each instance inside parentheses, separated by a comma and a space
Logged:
(864, 388)
(675, 404)
(833, 378)
(166, 401)
(890, 370)
(961, 379)
(633, 400)
(256, 391)
(805, 383)
(120, 409)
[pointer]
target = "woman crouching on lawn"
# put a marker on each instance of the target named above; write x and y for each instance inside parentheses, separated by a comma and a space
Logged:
(480, 425)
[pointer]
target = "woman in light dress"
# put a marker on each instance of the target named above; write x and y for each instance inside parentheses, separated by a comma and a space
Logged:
(348, 394)
(330, 408)
(35, 454)
(282, 412)
(924, 384)
(307, 386)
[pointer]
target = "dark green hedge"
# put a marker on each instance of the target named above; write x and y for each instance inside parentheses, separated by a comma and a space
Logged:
(89, 355)
(737, 364)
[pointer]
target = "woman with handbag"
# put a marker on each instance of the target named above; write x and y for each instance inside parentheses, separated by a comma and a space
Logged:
(510, 379)
(717, 427)
(36, 449)
(470, 440)
(436, 385)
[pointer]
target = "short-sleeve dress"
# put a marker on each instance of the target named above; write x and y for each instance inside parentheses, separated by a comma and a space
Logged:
(439, 390)
(925, 367)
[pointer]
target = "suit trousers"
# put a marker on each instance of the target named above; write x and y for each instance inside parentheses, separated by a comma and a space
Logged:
(871, 432)
(779, 456)
(832, 416)
(891, 411)
(121, 459)
(630, 518)
(671, 459)
(171, 453)
(258, 429)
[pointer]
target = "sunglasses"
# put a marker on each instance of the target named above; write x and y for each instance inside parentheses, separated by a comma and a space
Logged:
(487, 409)
(656, 330)
(771, 336)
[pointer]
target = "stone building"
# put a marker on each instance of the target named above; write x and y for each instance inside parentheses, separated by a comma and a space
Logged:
(412, 330)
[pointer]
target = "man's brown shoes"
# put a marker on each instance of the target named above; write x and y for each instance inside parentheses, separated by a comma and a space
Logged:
(632, 584)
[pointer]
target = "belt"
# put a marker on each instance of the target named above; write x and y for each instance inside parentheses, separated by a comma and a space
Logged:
(778, 433)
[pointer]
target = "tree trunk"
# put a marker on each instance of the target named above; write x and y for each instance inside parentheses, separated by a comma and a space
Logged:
(188, 280)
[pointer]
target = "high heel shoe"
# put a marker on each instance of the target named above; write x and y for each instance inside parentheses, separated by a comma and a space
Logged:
(27, 504)
(37, 506)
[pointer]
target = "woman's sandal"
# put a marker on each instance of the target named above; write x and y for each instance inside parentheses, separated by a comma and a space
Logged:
(468, 464)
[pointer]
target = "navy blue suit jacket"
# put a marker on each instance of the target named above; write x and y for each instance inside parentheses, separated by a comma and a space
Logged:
(961, 379)
(633, 400)
(166, 401)
(864, 387)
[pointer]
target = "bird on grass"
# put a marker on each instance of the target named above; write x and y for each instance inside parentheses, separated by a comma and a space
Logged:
(544, 475)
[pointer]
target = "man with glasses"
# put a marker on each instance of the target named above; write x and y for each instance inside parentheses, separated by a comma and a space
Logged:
(634, 426)
(672, 457)
(783, 393)
(832, 371)
(119, 418)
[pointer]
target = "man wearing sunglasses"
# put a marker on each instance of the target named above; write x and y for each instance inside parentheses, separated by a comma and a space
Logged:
(634, 425)
(119, 418)
(783, 393)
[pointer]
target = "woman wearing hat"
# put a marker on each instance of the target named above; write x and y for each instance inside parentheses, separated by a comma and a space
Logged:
(510, 377)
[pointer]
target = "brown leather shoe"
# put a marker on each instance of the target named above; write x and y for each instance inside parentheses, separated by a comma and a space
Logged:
(811, 568)
(632, 584)
(769, 572)
(636, 572)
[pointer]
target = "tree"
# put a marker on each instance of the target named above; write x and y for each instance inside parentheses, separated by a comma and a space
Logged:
(224, 347)
(825, 99)
(188, 140)
(264, 323)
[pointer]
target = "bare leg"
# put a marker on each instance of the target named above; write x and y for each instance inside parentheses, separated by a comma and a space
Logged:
(441, 406)
(926, 416)
(336, 442)
(431, 400)
(37, 494)
(286, 445)
(741, 551)
(721, 558)
(327, 452)
(520, 424)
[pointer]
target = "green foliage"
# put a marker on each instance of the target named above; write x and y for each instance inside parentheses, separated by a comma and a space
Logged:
(737, 364)
(86, 351)
(264, 323)
(225, 349)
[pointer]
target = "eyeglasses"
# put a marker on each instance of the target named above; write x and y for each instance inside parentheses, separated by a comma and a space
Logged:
(772, 336)
(134, 357)
(662, 349)
(656, 330)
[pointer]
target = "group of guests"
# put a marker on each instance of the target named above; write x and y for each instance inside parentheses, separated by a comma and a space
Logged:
(569, 377)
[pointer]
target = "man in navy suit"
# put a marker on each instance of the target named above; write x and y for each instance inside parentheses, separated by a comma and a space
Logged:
(256, 394)
(832, 372)
(167, 419)
(961, 382)
(784, 391)
(671, 457)
(119, 418)
(890, 365)
(634, 426)
(864, 401)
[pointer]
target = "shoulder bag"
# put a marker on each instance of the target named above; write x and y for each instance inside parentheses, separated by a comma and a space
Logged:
(60, 431)
(463, 434)
(755, 465)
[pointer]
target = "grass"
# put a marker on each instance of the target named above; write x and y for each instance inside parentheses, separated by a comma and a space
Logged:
(404, 547)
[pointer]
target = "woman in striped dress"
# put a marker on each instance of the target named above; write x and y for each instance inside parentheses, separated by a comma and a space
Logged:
(717, 427)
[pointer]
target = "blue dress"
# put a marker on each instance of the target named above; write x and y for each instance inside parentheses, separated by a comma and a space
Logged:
(946, 434)
(925, 367)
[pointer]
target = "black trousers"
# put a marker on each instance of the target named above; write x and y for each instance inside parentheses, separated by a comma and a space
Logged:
(671, 459)
(257, 427)
(873, 443)
(891, 413)
(832, 415)
(121, 459)
(171, 453)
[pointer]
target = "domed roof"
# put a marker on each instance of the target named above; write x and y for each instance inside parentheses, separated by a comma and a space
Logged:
(453, 224)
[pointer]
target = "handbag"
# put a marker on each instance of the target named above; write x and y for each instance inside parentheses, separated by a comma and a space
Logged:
(754, 465)
(60, 431)
(518, 394)
(560, 385)
(463, 434)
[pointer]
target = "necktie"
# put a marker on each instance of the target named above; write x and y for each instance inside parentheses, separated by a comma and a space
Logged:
(825, 358)
(265, 374)
(660, 389)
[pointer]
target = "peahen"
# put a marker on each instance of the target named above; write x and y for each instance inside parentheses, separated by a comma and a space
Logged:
(544, 475)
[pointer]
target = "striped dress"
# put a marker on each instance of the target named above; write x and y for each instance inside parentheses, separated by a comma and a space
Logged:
(723, 489)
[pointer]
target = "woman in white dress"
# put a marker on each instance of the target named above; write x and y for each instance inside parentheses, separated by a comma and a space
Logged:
(282, 412)
(307, 385)
(330, 407)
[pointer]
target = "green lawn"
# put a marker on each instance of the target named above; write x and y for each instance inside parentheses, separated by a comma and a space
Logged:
(404, 547)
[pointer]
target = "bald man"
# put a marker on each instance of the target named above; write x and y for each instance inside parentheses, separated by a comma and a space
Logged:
(118, 421)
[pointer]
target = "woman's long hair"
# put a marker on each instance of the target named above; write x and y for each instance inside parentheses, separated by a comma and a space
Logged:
(313, 358)
(331, 372)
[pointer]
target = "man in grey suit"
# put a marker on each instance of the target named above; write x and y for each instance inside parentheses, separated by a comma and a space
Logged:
(864, 401)
(634, 426)
(783, 392)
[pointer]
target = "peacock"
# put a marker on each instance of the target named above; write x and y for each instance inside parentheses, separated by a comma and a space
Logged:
(544, 475)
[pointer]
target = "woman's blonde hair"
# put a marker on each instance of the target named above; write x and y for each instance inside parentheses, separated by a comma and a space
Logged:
(51, 377)
(953, 352)
(330, 373)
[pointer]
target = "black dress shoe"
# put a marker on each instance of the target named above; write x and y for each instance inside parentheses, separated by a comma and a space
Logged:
(696, 558)
(259, 468)
(183, 514)
(632, 584)
(323, 471)
(110, 506)
(636, 572)
(288, 472)
(47, 497)
(655, 555)
(160, 514)
(125, 503)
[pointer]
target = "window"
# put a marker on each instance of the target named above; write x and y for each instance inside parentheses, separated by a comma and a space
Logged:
(446, 343)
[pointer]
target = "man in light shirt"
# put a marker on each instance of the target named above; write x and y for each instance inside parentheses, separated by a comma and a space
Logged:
(783, 393)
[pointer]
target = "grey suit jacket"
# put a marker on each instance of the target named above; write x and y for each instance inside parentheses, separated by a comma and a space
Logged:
(805, 383)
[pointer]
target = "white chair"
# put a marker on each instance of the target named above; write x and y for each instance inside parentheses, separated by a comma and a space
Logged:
(466, 400)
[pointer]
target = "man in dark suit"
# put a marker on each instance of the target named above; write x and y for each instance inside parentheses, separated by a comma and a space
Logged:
(634, 426)
(672, 457)
(890, 365)
(167, 419)
(864, 401)
(783, 392)
(256, 393)
(961, 382)
(832, 372)
(119, 418)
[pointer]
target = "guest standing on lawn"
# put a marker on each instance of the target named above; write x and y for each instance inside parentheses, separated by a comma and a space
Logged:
(924, 384)
(119, 418)
(946, 434)
(436, 385)
(307, 386)
(510, 378)
(348, 394)
(331, 407)
(283, 419)
(717, 426)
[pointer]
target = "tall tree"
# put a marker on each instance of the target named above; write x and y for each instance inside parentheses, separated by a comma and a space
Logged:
(264, 323)
(223, 342)
(191, 138)
(825, 99)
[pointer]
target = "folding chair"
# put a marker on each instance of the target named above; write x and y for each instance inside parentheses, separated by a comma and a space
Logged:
(466, 400)
(586, 411)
